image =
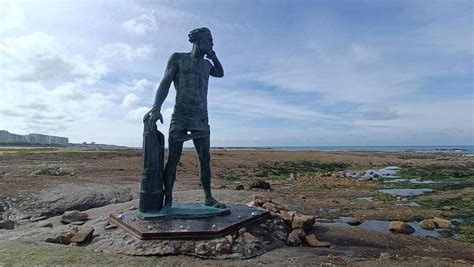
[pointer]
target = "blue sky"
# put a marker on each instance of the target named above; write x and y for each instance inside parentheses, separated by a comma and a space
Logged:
(341, 72)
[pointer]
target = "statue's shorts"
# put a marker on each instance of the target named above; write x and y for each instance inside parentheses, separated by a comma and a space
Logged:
(185, 135)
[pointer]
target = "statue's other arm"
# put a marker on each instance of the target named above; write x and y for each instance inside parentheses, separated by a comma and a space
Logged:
(163, 89)
(216, 70)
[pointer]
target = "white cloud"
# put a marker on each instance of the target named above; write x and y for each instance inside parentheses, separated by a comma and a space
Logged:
(136, 86)
(140, 25)
(130, 100)
(122, 51)
(41, 57)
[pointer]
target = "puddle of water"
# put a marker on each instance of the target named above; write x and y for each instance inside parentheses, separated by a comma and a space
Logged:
(366, 198)
(394, 180)
(378, 226)
(414, 181)
(407, 191)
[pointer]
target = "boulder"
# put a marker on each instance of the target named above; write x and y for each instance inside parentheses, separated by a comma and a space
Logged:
(43, 224)
(83, 235)
(303, 221)
(442, 223)
(299, 232)
(401, 227)
(65, 236)
(74, 216)
(428, 224)
(293, 240)
(261, 184)
(7, 225)
(287, 217)
(260, 200)
(314, 242)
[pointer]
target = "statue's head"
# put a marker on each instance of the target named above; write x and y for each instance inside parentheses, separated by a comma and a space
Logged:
(202, 38)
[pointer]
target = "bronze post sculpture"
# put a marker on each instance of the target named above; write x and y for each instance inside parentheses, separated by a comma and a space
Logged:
(189, 72)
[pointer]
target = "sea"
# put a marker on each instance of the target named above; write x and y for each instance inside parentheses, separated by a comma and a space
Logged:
(467, 150)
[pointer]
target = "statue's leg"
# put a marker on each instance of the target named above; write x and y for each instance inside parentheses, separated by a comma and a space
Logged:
(202, 146)
(169, 176)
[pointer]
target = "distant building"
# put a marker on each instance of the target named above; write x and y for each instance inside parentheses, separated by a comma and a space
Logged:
(41, 139)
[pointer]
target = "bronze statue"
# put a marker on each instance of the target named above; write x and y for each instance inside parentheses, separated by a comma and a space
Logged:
(190, 74)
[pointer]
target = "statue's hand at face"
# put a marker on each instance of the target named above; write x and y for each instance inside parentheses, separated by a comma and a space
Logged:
(211, 54)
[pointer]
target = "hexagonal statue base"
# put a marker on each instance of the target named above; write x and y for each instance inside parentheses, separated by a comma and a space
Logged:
(188, 228)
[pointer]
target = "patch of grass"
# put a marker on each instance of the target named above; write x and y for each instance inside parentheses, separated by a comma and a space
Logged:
(466, 232)
(384, 197)
(279, 170)
(18, 253)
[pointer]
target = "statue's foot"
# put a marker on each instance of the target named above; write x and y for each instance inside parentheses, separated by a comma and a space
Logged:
(212, 202)
(167, 206)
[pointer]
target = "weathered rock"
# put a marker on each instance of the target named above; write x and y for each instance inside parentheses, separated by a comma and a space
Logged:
(74, 216)
(224, 248)
(442, 223)
(293, 240)
(428, 224)
(260, 200)
(54, 240)
(65, 236)
(7, 225)
(280, 235)
(401, 227)
(132, 208)
(40, 218)
(299, 232)
(287, 217)
(261, 184)
(78, 223)
(42, 224)
(83, 235)
(229, 239)
(239, 187)
(110, 227)
(249, 238)
(355, 221)
(314, 242)
(303, 221)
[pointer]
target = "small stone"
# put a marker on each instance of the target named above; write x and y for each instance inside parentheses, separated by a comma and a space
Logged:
(261, 184)
(74, 216)
(110, 227)
(83, 235)
(223, 248)
(355, 221)
(384, 256)
(302, 197)
(42, 224)
(314, 242)
(78, 223)
(442, 223)
(132, 208)
(242, 230)
(293, 240)
(280, 235)
(229, 239)
(286, 217)
(401, 227)
(260, 200)
(54, 240)
(7, 225)
(299, 232)
(303, 221)
(249, 238)
(239, 187)
(428, 224)
(254, 213)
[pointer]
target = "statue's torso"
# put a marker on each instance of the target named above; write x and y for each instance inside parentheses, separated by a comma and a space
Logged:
(190, 110)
